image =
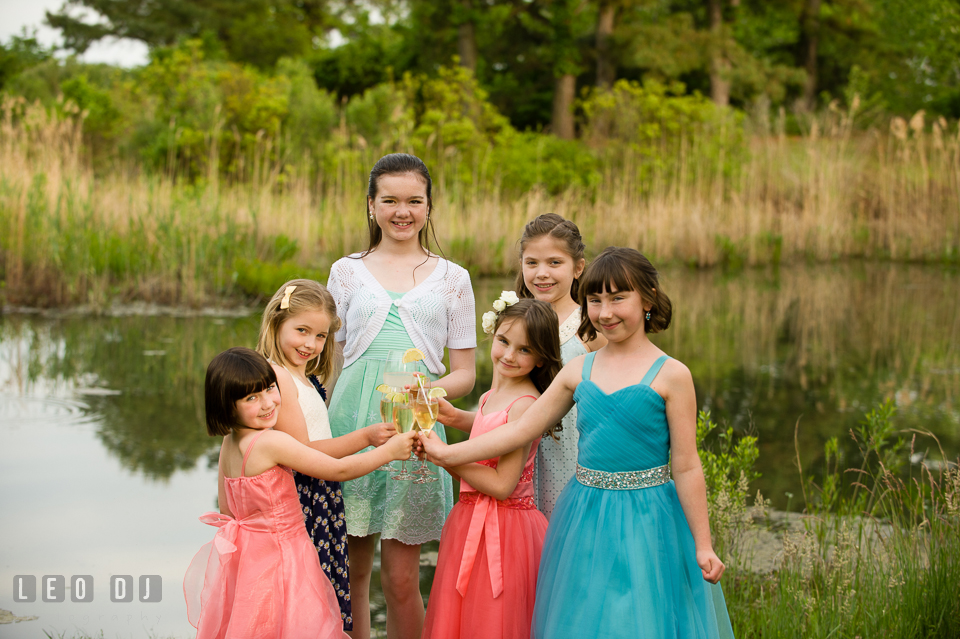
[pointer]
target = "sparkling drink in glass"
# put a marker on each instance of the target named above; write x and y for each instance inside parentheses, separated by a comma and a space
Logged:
(425, 409)
(386, 416)
(403, 419)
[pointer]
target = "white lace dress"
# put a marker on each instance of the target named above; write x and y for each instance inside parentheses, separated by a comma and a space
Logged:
(557, 460)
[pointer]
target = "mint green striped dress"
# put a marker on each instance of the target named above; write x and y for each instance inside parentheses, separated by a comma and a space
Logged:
(375, 503)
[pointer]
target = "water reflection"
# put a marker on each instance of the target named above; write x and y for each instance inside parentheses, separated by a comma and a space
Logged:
(766, 348)
(142, 377)
(821, 345)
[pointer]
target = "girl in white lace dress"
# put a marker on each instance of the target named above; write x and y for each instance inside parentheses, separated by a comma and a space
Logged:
(395, 295)
(551, 261)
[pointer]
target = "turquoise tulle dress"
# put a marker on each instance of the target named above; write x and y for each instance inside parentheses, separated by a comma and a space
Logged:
(619, 559)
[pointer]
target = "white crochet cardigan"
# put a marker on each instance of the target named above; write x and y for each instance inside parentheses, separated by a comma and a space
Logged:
(438, 312)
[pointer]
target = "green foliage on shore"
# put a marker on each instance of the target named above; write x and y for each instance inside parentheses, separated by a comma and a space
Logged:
(878, 551)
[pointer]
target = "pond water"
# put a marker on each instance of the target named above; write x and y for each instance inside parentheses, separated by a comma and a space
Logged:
(106, 463)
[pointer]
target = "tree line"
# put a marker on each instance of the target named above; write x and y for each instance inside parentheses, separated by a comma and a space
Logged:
(535, 58)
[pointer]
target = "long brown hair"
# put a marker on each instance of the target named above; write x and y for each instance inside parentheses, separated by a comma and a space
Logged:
(307, 296)
(624, 269)
(399, 164)
(560, 229)
(543, 337)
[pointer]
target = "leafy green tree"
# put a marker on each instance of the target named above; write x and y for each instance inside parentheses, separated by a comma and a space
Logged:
(257, 32)
(20, 53)
(736, 50)
(566, 27)
(918, 61)
(515, 53)
(372, 55)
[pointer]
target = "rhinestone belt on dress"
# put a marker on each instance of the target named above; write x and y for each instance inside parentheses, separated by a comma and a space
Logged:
(623, 481)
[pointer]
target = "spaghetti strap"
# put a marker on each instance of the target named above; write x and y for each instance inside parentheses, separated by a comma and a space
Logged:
(243, 466)
(588, 365)
(652, 373)
(483, 401)
(507, 409)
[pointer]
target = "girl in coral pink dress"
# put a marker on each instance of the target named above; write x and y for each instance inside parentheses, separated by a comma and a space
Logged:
(490, 547)
(260, 577)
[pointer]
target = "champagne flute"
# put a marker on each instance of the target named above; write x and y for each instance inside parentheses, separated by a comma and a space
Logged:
(403, 419)
(425, 409)
(386, 415)
(396, 374)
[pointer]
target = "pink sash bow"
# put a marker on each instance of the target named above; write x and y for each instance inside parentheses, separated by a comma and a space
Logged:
(211, 562)
(226, 538)
(484, 521)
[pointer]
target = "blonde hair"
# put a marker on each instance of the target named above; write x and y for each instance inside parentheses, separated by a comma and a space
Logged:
(307, 296)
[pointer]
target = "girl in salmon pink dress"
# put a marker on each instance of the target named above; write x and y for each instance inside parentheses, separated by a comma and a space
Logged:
(490, 547)
(260, 577)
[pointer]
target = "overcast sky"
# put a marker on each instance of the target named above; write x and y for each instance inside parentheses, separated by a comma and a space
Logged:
(17, 14)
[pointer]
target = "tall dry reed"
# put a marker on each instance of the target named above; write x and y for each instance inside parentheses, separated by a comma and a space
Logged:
(72, 233)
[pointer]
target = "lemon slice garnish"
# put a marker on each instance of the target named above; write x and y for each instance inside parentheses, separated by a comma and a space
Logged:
(413, 355)
(436, 391)
(383, 388)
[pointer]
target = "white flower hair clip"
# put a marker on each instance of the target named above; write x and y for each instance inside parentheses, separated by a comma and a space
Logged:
(489, 319)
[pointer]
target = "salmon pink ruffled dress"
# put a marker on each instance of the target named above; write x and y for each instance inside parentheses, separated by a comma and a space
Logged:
(260, 577)
(486, 574)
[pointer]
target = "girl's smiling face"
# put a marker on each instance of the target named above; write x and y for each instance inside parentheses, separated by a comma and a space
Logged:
(616, 314)
(259, 411)
(301, 338)
(401, 206)
(510, 353)
(548, 271)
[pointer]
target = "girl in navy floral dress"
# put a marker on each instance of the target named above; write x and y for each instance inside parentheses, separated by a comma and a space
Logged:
(293, 336)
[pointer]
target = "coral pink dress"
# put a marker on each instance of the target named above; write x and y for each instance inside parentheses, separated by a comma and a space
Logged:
(260, 577)
(486, 574)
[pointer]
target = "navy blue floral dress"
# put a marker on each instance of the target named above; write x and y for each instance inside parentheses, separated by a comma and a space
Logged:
(322, 504)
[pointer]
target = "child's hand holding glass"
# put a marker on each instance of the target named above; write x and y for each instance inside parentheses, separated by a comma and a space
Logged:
(378, 434)
(433, 448)
(401, 446)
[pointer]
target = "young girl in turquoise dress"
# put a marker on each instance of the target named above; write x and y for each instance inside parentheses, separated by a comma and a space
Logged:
(295, 336)
(628, 551)
(551, 262)
(486, 575)
(260, 576)
(397, 294)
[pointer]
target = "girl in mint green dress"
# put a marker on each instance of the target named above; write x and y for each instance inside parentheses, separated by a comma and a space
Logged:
(394, 296)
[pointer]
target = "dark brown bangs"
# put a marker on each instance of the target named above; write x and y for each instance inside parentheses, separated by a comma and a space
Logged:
(607, 272)
(252, 375)
(232, 375)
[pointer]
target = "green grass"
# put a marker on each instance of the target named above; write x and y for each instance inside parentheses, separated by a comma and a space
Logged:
(878, 554)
